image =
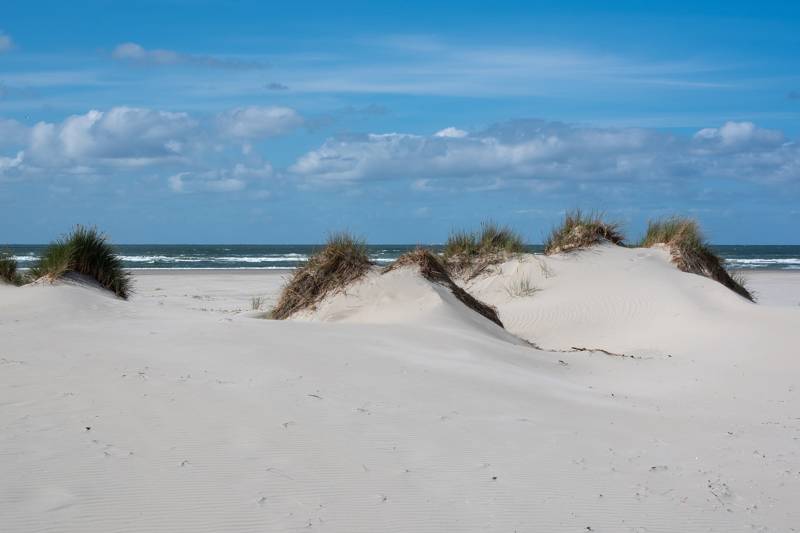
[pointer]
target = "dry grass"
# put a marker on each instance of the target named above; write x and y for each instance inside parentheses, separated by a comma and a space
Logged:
(468, 254)
(88, 252)
(579, 230)
(690, 252)
(521, 288)
(256, 302)
(343, 260)
(432, 269)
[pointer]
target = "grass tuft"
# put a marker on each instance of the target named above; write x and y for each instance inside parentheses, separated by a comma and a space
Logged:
(469, 253)
(8, 269)
(84, 251)
(579, 230)
(690, 252)
(461, 243)
(521, 288)
(343, 260)
(432, 269)
(256, 302)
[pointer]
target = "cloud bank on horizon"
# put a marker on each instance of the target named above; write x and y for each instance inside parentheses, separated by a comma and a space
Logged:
(523, 153)
(363, 131)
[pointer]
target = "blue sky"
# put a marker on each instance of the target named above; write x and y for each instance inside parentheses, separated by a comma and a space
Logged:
(211, 122)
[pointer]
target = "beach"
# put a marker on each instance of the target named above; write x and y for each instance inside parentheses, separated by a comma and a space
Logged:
(653, 400)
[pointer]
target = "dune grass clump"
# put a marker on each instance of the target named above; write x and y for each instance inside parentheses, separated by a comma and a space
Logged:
(580, 230)
(84, 251)
(256, 302)
(690, 252)
(432, 269)
(8, 270)
(54, 262)
(343, 260)
(469, 253)
(521, 288)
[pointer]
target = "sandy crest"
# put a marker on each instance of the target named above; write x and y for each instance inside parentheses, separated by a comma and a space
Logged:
(181, 410)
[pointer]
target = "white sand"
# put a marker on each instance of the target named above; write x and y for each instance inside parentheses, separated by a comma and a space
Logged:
(775, 287)
(405, 413)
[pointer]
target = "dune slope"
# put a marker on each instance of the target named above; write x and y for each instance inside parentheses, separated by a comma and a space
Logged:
(632, 301)
(181, 410)
(403, 296)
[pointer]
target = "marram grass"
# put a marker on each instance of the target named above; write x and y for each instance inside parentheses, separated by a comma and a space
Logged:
(690, 252)
(343, 260)
(8, 269)
(431, 268)
(84, 251)
(469, 253)
(491, 238)
(582, 230)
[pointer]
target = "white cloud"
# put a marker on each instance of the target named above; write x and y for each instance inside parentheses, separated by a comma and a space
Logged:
(6, 43)
(535, 150)
(7, 164)
(196, 152)
(733, 134)
(451, 132)
(176, 181)
(218, 153)
(135, 53)
(234, 179)
(189, 182)
(122, 136)
(256, 122)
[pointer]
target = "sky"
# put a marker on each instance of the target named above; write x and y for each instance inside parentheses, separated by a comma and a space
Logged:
(257, 122)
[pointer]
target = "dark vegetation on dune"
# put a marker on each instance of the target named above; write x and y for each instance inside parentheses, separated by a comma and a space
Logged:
(581, 230)
(690, 252)
(467, 254)
(343, 260)
(8, 270)
(84, 251)
(432, 269)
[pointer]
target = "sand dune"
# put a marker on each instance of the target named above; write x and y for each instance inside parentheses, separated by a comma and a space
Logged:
(403, 296)
(623, 300)
(395, 408)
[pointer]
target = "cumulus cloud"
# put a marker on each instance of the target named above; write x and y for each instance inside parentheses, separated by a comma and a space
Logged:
(536, 150)
(256, 122)
(451, 132)
(740, 134)
(6, 43)
(219, 153)
(10, 163)
(135, 53)
(122, 136)
(206, 153)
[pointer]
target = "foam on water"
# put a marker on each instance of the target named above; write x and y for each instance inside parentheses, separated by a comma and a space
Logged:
(272, 257)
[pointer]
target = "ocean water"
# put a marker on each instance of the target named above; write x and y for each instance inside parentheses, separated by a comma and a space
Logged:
(272, 256)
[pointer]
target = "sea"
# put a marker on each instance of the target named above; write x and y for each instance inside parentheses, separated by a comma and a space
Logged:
(289, 256)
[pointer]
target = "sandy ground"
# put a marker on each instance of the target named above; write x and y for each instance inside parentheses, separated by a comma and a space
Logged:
(771, 287)
(393, 408)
